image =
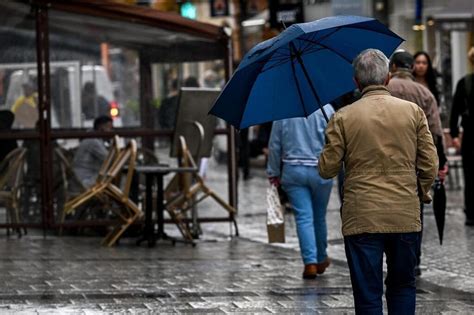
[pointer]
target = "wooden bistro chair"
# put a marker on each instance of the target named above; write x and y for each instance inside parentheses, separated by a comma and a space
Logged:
(107, 188)
(81, 192)
(11, 179)
(68, 177)
(187, 189)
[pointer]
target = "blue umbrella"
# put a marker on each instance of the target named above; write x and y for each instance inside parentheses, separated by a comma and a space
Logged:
(302, 69)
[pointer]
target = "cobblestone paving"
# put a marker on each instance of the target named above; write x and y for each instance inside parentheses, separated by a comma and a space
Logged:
(74, 275)
(450, 265)
(243, 275)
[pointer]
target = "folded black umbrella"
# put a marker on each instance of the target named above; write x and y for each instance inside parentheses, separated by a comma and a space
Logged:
(439, 207)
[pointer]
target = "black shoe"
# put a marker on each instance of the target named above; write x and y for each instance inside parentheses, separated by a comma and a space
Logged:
(417, 271)
(469, 222)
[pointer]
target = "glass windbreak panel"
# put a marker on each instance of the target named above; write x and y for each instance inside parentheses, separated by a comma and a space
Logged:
(170, 82)
(20, 199)
(90, 75)
(19, 161)
(125, 78)
(169, 78)
(18, 75)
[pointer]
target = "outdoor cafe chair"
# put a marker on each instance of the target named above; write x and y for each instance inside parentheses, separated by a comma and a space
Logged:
(187, 189)
(82, 192)
(11, 180)
(69, 179)
(107, 188)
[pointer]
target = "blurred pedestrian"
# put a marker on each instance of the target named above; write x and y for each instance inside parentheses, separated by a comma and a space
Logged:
(259, 145)
(168, 111)
(211, 79)
(463, 105)
(294, 148)
(93, 104)
(403, 85)
(425, 74)
(387, 148)
(169, 107)
(25, 107)
(253, 148)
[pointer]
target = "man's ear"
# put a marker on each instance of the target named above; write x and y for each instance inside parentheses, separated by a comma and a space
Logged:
(357, 84)
(393, 68)
(387, 80)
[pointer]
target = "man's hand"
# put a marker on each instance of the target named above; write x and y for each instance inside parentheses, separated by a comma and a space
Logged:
(275, 181)
(457, 143)
(442, 173)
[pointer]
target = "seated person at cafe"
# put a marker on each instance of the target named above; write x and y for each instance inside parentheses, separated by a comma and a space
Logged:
(6, 122)
(91, 153)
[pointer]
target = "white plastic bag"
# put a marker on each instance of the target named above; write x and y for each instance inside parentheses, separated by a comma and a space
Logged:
(275, 217)
(274, 209)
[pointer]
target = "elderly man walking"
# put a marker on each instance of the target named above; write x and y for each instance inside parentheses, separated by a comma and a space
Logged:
(391, 163)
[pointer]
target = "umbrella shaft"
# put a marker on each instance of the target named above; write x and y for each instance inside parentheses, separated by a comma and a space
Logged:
(308, 78)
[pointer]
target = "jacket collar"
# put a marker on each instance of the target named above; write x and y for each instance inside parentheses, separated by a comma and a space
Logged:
(375, 90)
(403, 74)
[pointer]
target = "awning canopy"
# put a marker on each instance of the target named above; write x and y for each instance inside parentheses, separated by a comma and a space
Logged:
(76, 26)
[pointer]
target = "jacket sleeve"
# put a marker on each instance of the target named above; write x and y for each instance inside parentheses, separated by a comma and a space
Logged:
(330, 160)
(457, 108)
(432, 115)
(274, 151)
(426, 158)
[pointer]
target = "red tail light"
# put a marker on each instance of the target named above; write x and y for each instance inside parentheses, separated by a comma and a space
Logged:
(114, 110)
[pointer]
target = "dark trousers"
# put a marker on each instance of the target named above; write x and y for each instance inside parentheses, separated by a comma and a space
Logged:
(365, 258)
(467, 153)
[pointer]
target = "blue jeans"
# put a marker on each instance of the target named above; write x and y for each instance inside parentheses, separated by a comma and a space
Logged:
(309, 194)
(365, 258)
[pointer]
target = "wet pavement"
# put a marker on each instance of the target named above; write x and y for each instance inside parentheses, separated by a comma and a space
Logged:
(74, 275)
(450, 265)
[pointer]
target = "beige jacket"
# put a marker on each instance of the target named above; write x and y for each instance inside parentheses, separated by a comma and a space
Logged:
(384, 143)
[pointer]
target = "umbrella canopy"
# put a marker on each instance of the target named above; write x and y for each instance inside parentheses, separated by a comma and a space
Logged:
(439, 207)
(300, 70)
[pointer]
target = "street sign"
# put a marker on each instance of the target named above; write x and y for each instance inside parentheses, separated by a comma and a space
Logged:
(289, 12)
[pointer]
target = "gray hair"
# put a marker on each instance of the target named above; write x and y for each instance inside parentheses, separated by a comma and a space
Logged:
(370, 67)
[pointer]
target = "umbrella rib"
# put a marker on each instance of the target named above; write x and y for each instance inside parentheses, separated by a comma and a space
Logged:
(279, 51)
(329, 48)
(280, 58)
(298, 88)
(277, 64)
(308, 44)
(312, 50)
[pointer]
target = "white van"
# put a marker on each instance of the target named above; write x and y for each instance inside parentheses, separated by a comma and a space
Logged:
(68, 79)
